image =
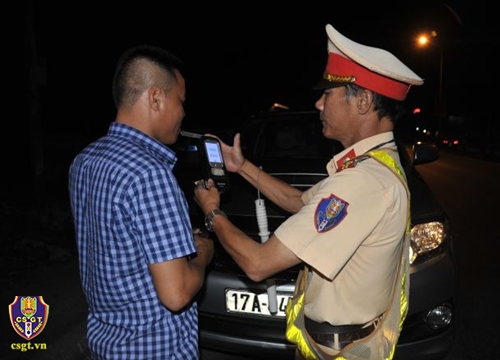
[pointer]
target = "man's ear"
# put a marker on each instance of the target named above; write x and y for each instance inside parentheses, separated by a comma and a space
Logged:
(154, 97)
(365, 100)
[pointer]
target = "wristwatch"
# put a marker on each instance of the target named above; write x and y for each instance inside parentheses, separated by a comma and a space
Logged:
(209, 219)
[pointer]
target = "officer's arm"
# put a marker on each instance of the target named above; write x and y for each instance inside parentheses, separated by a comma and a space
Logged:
(279, 192)
(258, 260)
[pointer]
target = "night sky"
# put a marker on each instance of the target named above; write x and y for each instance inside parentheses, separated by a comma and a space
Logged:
(238, 58)
(242, 58)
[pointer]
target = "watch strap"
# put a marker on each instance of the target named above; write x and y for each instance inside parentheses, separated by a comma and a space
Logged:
(209, 219)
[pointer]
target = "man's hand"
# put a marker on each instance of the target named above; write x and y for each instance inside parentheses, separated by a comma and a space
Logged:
(206, 195)
(204, 246)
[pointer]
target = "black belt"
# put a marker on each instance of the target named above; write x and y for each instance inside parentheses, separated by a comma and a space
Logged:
(324, 333)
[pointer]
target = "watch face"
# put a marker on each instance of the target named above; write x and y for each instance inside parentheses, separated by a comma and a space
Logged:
(209, 219)
(208, 222)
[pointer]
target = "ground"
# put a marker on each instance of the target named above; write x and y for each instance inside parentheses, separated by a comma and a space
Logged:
(39, 258)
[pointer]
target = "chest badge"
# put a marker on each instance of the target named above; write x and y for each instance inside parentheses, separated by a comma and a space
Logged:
(329, 213)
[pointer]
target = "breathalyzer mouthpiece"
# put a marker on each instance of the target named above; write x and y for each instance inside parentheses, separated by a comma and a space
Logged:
(191, 134)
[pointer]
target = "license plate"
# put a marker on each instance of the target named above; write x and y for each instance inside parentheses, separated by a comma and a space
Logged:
(251, 303)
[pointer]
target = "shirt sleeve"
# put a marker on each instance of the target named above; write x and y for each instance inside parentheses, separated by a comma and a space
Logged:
(356, 201)
(163, 226)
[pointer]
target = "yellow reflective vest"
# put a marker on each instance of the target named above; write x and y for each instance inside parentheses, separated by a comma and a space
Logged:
(381, 343)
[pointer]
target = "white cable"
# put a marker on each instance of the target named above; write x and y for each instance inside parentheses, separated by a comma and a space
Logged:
(260, 210)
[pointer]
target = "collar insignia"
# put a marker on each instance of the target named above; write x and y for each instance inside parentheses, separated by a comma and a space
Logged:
(346, 161)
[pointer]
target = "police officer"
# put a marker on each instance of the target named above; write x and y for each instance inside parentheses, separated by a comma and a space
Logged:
(349, 229)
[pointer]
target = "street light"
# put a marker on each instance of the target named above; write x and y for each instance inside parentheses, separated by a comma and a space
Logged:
(426, 40)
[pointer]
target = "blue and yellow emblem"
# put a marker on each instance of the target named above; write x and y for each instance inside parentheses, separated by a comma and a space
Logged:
(329, 213)
(28, 315)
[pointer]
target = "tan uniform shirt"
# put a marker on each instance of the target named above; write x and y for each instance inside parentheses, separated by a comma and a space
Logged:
(350, 233)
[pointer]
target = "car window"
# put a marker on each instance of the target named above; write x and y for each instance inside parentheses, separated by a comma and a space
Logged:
(288, 138)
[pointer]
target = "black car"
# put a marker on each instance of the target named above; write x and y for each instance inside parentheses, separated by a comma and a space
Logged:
(240, 316)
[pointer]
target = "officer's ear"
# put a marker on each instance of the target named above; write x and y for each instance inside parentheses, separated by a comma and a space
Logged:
(364, 101)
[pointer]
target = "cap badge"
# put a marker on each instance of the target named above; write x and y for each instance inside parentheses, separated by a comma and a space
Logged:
(340, 78)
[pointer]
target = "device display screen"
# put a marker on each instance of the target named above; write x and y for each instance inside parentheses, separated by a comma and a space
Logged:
(213, 152)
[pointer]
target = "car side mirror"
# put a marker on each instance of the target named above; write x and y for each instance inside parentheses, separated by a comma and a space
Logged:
(424, 153)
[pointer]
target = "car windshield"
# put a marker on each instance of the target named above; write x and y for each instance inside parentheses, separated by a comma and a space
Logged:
(299, 138)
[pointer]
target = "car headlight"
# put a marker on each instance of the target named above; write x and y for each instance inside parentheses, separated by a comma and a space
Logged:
(426, 237)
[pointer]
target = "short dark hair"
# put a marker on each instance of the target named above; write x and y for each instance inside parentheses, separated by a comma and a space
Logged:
(135, 72)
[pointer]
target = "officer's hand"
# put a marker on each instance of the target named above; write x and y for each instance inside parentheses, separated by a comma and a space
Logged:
(233, 156)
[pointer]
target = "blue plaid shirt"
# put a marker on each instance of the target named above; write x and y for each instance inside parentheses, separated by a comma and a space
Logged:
(129, 211)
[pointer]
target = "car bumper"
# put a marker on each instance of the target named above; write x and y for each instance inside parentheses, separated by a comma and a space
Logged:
(265, 337)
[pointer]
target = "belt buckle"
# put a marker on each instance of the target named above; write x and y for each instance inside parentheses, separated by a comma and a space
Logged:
(338, 341)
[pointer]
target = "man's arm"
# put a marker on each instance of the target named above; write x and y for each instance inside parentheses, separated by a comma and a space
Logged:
(178, 281)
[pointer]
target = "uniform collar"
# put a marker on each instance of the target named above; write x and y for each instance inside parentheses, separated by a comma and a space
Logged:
(361, 147)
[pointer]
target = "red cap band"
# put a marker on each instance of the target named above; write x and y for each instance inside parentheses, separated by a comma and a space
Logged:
(340, 66)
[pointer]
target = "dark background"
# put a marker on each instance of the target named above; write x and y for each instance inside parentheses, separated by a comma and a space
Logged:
(239, 57)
